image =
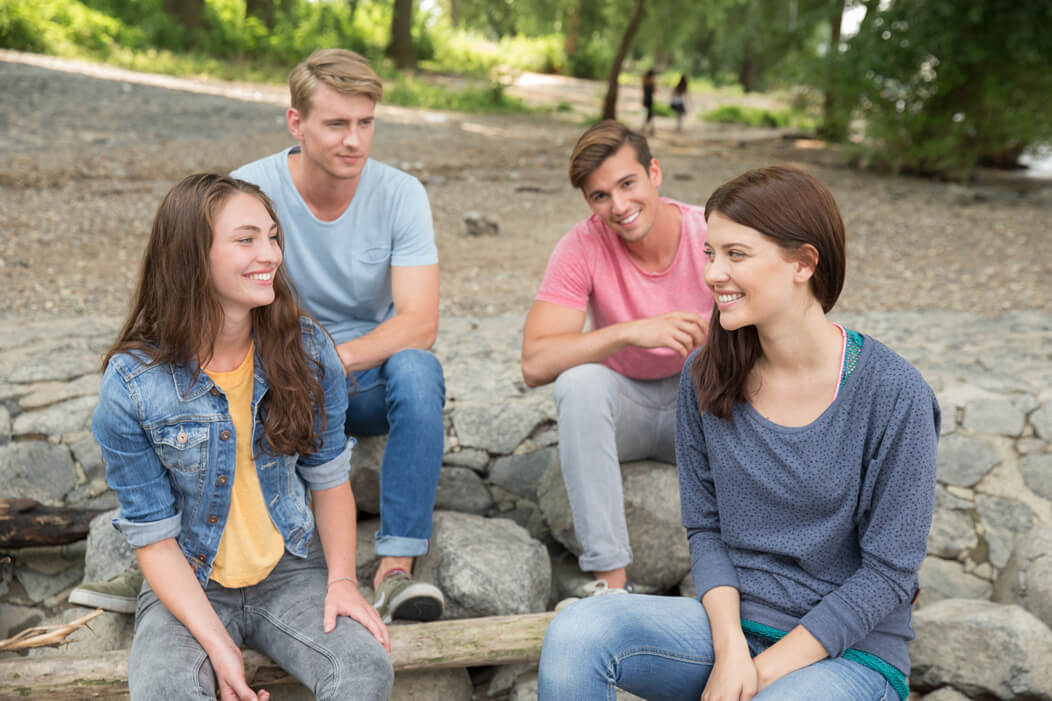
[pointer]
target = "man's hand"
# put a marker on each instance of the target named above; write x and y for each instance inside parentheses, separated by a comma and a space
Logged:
(680, 331)
(344, 599)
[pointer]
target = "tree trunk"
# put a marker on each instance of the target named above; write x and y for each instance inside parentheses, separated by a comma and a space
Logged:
(24, 523)
(834, 122)
(400, 47)
(189, 13)
(610, 103)
(438, 645)
(747, 73)
(573, 30)
(454, 13)
(262, 10)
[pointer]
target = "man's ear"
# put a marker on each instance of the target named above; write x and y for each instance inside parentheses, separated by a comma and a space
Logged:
(295, 123)
(654, 171)
(806, 262)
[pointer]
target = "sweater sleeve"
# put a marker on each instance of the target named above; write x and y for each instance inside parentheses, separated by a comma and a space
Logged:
(893, 517)
(710, 564)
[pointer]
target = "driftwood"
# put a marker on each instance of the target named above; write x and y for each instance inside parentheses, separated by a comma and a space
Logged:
(43, 636)
(442, 644)
(25, 522)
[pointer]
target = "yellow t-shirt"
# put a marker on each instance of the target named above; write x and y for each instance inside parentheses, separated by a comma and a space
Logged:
(251, 544)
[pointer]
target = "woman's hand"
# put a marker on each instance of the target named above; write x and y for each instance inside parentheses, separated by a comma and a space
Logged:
(344, 599)
(733, 676)
(230, 674)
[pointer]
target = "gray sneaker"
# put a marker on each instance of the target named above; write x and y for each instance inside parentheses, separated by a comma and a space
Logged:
(399, 596)
(117, 594)
(598, 587)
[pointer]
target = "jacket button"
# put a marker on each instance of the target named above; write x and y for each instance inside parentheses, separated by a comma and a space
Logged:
(202, 557)
(213, 519)
(221, 480)
(224, 436)
(214, 392)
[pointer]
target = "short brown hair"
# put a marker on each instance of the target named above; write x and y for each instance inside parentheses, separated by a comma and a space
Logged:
(344, 71)
(600, 142)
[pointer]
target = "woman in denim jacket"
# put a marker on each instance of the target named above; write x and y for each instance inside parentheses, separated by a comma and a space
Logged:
(220, 408)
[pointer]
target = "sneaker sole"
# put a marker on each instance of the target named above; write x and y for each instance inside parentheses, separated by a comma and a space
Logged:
(107, 602)
(419, 602)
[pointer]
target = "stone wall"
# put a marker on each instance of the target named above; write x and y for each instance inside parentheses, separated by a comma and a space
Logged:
(504, 539)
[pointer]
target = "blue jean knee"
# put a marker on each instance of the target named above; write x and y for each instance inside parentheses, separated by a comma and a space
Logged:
(403, 397)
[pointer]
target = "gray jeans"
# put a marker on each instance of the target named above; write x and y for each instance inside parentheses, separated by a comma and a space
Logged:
(280, 617)
(605, 419)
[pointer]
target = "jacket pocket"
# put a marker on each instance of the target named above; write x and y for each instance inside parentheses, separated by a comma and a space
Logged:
(181, 447)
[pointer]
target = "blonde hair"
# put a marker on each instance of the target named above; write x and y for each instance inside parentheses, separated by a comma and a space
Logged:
(344, 71)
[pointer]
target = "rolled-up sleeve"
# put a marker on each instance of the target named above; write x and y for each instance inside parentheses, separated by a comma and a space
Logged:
(331, 464)
(148, 511)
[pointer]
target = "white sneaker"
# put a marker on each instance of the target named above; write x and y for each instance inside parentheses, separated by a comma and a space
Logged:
(597, 587)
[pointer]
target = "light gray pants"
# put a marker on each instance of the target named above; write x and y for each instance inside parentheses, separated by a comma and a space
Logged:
(281, 617)
(605, 419)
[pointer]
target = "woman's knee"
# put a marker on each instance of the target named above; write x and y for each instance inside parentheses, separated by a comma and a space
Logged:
(362, 671)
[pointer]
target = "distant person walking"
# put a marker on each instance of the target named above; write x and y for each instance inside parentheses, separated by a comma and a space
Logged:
(649, 83)
(678, 103)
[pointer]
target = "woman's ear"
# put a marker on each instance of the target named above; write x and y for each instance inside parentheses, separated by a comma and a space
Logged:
(806, 262)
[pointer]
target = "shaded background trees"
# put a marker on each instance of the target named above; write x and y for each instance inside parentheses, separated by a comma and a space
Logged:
(930, 86)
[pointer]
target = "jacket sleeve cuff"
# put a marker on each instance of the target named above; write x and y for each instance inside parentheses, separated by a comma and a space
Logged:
(141, 534)
(329, 474)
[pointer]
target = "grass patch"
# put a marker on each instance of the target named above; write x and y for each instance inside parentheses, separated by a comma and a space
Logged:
(490, 99)
(755, 117)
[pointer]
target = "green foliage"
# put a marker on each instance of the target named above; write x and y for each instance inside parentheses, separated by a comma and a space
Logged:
(754, 117)
(56, 26)
(412, 92)
(942, 86)
(470, 53)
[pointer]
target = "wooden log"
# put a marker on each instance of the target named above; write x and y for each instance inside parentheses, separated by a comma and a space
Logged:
(442, 644)
(25, 522)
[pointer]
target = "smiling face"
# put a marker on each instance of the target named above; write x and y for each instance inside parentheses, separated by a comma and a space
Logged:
(245, 254)
(624, 194)
(336, 135)
(753, 279)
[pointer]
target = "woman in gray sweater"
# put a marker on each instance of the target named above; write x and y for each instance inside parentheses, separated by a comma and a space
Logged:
(806, 456)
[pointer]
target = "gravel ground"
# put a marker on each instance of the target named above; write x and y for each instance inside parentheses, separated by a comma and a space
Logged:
(84, 161)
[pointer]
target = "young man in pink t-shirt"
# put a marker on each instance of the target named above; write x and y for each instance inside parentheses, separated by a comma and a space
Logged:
(636, 266)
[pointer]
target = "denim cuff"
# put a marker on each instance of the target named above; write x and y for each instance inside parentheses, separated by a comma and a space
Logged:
(400, 546)
(329, 474)
(142, 534)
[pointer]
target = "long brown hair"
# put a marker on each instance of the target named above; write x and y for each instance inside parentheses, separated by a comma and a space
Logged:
(791, 208)
(176, 317)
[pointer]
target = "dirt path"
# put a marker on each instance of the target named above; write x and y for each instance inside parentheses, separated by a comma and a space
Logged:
(86, 154)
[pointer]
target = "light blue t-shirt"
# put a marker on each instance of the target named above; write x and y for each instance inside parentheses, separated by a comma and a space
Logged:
(342, 268)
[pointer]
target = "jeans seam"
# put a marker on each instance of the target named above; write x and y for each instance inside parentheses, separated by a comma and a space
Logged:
(333, 678)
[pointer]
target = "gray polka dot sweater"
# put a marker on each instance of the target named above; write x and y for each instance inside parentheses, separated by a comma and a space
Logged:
(824, 525)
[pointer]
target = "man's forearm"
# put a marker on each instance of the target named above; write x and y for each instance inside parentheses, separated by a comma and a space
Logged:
(402, 331)
(544, 359)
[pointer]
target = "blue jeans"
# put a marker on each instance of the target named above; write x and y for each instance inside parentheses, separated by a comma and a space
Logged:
(660, 647)
(403, 398)
(280, 617)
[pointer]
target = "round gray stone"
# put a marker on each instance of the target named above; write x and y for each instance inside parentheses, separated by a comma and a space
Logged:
(945, 579)
(1005, 519)
(1037, 473)
(520, 474)
(952, 533)
(999, 416)
(461, 489)
(108, 553)
(964, 460)
(1026, 579)
(495, 428)
(37, 470)
(65, 417)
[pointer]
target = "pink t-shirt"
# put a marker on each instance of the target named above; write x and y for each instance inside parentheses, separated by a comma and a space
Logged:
(590, 270)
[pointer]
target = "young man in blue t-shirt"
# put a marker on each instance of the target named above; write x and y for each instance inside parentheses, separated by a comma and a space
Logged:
(360, 249)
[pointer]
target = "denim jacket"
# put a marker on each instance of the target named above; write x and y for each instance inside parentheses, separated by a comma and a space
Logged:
(170, 452)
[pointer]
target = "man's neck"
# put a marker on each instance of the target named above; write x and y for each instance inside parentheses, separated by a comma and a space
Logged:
(326, 196)
(658, 248)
